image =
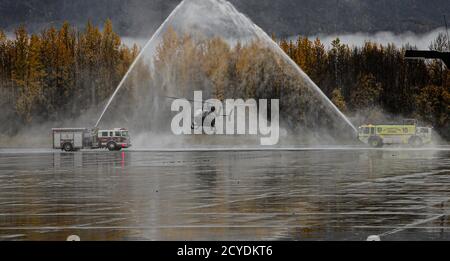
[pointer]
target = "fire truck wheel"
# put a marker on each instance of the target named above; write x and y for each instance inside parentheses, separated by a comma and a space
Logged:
(415, 141)
(111, 146)
(376, 142)
(67, 147)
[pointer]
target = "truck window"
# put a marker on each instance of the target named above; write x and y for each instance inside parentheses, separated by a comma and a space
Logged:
(111, 134)
(124, 133)
(372, 130)
(366, 131)
(379, 130)
(105, 134)
(424, 130)
(117, 134)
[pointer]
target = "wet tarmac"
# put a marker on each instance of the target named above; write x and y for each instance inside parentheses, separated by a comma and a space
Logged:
(283, 194)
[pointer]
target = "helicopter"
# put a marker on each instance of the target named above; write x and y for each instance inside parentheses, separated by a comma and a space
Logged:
(244, 117)
(204, 118)
(201, 117)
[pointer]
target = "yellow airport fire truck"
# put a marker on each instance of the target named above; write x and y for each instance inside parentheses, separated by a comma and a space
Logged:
(407, 133)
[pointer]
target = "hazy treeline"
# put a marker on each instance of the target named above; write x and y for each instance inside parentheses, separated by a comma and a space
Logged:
(58, 73)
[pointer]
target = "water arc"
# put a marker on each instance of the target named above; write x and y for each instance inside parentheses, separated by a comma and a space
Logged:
(195, 48)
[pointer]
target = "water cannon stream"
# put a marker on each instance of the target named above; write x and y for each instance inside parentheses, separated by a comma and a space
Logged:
(234, 27)
(141, 53)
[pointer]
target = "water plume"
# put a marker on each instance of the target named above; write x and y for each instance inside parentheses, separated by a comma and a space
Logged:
(208, 45)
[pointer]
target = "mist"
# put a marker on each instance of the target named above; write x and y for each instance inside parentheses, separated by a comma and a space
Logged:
(421, 41)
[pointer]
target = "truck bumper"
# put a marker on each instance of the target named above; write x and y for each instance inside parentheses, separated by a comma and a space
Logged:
(124, 145)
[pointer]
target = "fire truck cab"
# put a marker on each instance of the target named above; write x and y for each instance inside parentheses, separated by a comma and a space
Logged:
(115, 139)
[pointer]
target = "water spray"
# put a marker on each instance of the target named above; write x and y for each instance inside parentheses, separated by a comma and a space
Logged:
(258, 33)
(278, 49)
(141, 53)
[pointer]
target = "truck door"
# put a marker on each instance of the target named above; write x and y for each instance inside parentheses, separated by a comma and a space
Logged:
(78, 140)
(56, 140)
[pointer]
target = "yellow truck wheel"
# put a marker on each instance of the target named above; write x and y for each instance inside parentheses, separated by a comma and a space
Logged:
(376, 142)
(416, 141)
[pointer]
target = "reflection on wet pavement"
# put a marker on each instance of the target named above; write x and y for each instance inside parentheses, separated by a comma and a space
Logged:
(226, 195)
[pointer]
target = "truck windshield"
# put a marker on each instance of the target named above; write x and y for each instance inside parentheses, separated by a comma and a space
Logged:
(124, 133)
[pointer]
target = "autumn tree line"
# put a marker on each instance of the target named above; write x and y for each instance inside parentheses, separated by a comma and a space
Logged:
(63, 72)
(60, 72)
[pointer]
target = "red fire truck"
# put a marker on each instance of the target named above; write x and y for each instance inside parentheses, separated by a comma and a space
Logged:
(73, 139)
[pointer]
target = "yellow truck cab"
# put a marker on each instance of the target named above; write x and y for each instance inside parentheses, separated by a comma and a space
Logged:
(407, 133)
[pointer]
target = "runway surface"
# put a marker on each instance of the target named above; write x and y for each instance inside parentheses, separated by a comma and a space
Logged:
(334, 193)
